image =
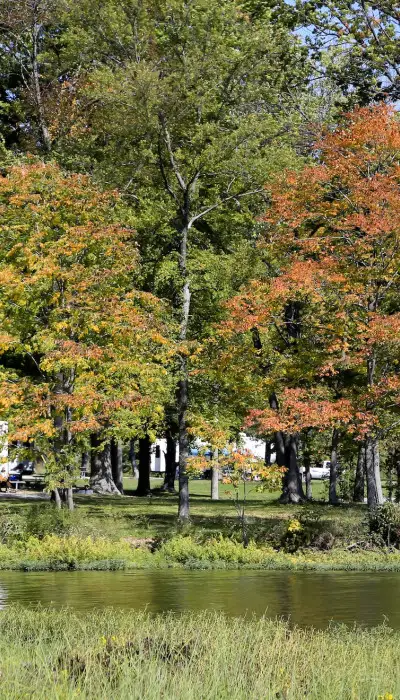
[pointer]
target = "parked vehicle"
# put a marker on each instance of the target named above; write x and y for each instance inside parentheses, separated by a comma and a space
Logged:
(321, 470)
(17, 471)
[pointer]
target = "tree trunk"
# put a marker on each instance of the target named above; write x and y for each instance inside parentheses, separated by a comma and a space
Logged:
(397, 467)
(268, 452)
(359, 482)
(333, 497)
(307, 470)
(132, 457)
(215, 477)
(396, 464)
(143, 487)
(101, 478)
(70, 498)
(183, 388)
(390, 465)
(117, 464)
(170, 464)
(374, 487)
(44, 131)
(286, 456)
(85, 463)
(55, 496)
(292, 488)
(183, 385)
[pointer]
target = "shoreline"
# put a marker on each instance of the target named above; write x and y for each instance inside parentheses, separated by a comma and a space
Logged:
(73, 553)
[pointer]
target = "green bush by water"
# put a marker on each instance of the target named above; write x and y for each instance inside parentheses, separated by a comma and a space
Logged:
(61, 552)
(110, 654)
(384, 524)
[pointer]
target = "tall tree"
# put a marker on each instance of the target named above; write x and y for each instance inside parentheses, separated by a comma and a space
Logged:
(342, 219)
(82, 351)
(188, 123)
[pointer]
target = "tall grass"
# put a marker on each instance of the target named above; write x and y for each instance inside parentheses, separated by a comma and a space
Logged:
(110, 654)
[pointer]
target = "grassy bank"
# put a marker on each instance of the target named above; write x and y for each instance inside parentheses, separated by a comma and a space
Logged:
(47, 654)
(63, 553)
(131, 532)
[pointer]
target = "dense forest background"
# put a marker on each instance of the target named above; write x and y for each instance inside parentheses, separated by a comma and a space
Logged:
(200, 223)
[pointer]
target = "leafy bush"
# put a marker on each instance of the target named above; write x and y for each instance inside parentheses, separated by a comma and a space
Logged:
(12, 527)
(308, 530)
(384, 524)
(186, 551)
(46, 519)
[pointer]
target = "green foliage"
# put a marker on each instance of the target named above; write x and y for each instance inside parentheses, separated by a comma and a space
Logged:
(384, 524)
(362, 41)
(12, 527)
(185, 550)
(45, 519)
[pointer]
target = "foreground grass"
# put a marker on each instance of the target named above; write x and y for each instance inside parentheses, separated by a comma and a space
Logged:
(110, 654)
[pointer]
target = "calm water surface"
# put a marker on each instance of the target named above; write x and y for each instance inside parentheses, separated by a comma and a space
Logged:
(306, 598)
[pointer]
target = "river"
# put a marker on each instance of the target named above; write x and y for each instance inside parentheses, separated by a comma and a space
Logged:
(304, 598)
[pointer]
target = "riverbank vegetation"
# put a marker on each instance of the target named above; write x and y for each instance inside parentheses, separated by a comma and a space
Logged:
(128, 533)
(112, 654)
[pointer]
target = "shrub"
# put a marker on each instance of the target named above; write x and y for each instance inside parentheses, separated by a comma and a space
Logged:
(12, 527)
(187, 551)
(46, 519)
(384, 524)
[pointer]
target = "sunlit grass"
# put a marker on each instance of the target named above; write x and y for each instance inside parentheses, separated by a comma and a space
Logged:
(156, 515)
(109, 654)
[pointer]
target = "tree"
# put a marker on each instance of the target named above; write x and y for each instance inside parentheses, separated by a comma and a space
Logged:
(340, 221)
(364, 40)
(188, 123)
(82, 351)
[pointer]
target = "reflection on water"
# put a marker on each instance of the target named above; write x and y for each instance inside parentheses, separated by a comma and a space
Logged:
(3, 597)
(306, 598)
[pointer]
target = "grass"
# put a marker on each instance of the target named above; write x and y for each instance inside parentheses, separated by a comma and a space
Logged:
(119, 532)
(156, 516)
(110, 654)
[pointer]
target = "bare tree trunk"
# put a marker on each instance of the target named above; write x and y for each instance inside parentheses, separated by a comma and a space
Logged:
(397, 467)
(215, 477)
(390, 485)
(117, 464)
(292, 488)
(70, 498)
(44, 131)
(183, 385)
(286, 456)
(55, 496)
(333, 497)
(268, 452)
(101, 478)
(307, 469)
(372, 468)
(132, 457)
(359, 483)
(170, 464)
(143, 487)
(183, 512)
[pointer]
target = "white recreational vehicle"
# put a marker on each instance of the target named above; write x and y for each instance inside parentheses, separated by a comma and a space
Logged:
(159, 449)
(14, 467)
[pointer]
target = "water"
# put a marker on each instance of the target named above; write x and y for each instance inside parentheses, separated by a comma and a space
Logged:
(305, 598)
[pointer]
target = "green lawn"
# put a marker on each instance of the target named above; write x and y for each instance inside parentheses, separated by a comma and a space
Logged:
(156, 515)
